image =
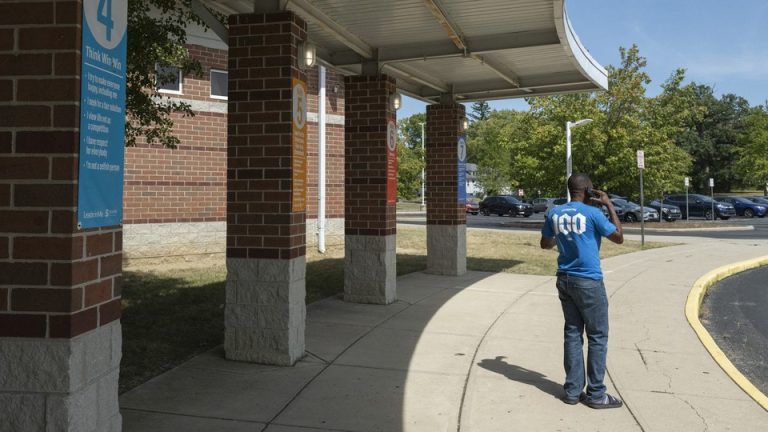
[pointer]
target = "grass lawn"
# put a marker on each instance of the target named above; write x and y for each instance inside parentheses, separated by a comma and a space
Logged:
(170, 316)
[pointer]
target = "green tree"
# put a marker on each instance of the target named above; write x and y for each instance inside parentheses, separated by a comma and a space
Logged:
(548, 143)
(480, 111)
(410, 156)
(156, 35)
(752, 163)
(624, 121)
(712, 138)
(490, 148)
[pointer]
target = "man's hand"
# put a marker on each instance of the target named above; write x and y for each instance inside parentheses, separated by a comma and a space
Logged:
(547, 242)
(601, 197)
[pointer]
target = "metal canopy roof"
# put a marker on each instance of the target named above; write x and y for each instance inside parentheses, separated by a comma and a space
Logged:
(465, 49)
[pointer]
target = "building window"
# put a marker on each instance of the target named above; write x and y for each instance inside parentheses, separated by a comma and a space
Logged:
(218, 84)
(168, 79)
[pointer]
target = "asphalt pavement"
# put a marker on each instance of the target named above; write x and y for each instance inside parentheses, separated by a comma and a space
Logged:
(734, 313)
(734, 228)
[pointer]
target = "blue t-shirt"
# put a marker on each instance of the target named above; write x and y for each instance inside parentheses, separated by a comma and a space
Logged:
(578, 229)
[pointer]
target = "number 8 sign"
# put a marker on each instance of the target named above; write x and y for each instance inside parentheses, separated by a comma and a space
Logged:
(107, 20)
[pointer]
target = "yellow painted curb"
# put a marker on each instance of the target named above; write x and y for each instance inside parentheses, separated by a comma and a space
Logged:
(695, 297)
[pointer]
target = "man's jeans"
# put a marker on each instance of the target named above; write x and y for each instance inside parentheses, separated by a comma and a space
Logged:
(585, 307)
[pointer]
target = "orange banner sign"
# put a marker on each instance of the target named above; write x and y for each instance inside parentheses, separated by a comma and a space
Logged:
(299, 147)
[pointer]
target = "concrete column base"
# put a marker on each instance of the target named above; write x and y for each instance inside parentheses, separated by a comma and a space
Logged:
(447, 249)
(370, 269)
(265, 312)
(61, 384)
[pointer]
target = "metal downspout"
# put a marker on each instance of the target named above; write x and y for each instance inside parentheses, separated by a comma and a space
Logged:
(321, 160)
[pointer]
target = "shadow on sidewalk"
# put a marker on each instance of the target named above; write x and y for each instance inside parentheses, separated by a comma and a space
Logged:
(522, 375)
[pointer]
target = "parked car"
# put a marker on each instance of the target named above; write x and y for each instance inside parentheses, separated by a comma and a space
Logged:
(472, 207)
(619, 211)
(759, 199)
(701, 205)
(669, 212)
(542, 204)
(632, 211)
(503, 204)
(745, 207)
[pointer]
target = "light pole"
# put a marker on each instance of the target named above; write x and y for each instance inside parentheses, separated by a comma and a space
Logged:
(423, 166)
(568, 161)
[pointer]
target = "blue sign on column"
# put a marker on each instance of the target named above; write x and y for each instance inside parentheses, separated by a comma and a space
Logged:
(102, 113)
(462, 167)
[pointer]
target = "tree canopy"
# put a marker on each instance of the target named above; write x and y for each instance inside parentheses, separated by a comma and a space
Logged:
(410, 156)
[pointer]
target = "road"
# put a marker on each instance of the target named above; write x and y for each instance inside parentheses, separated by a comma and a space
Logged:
(734, 314)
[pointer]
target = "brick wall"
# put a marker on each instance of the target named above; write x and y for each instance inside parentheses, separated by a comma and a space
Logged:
(188, 184)
(56, 281)
(263, 50)
(443, 129)
(199, 88)
(366, 208)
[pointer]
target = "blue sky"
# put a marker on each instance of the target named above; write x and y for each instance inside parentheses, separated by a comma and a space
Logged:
(722, 43)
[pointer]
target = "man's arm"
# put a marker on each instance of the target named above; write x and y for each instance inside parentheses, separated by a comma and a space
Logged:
(617, 236)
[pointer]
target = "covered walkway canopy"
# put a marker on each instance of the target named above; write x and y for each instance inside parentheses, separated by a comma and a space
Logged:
(60, 283)
(491, 49)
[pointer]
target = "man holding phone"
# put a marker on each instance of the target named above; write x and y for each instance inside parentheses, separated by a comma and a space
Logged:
(576, 228)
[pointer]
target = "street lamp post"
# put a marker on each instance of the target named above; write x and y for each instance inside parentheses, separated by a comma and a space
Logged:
(568, 161)
(423, 176)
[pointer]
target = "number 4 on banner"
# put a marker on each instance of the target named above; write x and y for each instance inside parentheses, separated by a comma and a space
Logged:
(104, 16)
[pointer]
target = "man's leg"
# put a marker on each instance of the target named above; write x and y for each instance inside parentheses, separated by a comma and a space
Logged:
(573, 358)
(594, 309)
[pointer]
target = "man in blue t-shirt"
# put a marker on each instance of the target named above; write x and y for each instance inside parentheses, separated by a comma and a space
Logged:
(577, 228)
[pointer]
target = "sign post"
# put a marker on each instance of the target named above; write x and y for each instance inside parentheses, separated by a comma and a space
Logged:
(712, 196)
(641, 167)
(102, 114)
(687, 183)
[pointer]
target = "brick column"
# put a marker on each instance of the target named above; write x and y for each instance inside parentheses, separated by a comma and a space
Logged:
(369, 210)
(446, 216)
(266, 234)
(60, 336)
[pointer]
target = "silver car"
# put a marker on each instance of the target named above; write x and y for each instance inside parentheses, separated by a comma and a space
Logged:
(632, 211)
(542, 204)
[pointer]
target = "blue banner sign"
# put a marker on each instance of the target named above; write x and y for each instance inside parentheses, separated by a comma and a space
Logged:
(462, 167)
(102, 113)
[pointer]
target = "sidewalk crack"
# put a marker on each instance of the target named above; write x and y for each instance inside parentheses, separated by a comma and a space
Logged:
(642, 357)
(311, 354)
(703, 420)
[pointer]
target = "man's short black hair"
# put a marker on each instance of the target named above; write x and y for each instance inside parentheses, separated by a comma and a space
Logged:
(577, 183)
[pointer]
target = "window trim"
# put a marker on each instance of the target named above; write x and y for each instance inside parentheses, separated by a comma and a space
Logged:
(181, 81)
(210, 82)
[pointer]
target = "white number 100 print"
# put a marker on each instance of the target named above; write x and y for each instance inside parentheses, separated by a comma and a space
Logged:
(566, 224)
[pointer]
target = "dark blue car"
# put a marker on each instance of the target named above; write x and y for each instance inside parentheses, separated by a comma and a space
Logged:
(762, 200)
(745, 207)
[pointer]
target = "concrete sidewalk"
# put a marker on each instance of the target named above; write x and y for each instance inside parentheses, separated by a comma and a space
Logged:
(480, 352)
